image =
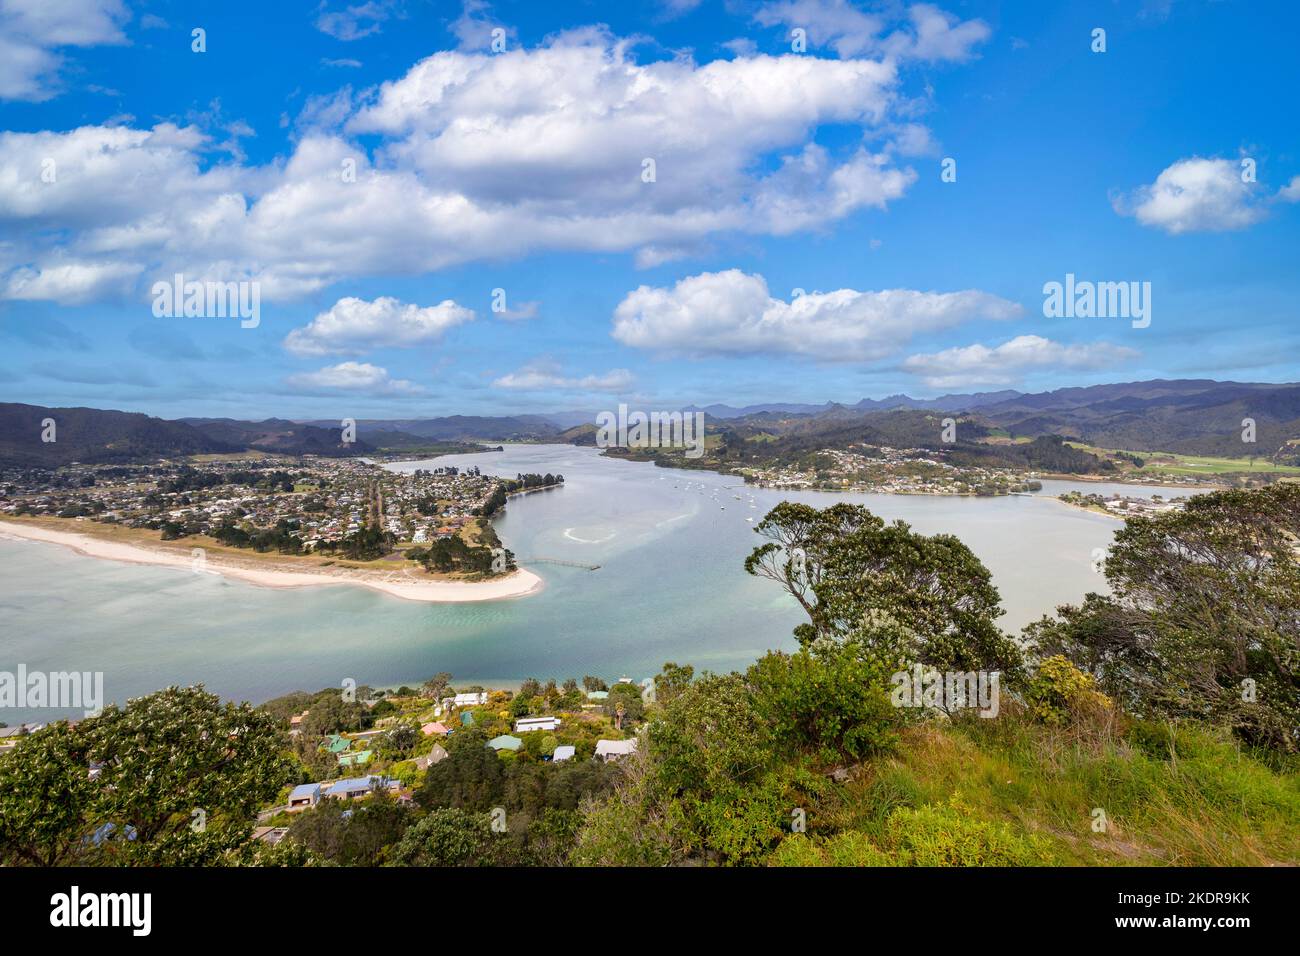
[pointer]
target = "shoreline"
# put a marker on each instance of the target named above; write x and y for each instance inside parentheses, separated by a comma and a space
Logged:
(522, 582)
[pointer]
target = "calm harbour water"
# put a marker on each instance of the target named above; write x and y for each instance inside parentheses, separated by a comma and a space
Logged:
(671, 586)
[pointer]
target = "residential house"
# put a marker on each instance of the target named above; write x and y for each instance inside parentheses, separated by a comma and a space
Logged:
(611, 750)
(563, 752)
(304, 796)
(355, 759)
(355, 787)
(526, 724)
(476, 699)
(271, 835)
(436, 755)
(505, 742)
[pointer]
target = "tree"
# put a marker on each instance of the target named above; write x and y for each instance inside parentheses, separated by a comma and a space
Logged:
(849, 570)
(551, 836)
(470, 777)
(1204, 616)
(45, 797)
(436, 686)
(351, 833)
(180, 778)
(449, 836)
(830, 700)
(331, 714)
(672, 680)
(403, 737)
(624, 702)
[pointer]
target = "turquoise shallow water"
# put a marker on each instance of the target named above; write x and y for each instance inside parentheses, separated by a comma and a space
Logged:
(671, 587)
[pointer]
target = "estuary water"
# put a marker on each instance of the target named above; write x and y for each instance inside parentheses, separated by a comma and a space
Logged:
(671, 586)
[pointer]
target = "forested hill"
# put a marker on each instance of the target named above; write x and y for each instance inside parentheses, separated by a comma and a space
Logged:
(1187, 416)
(278, 436)
(95, 436)
(765, 441)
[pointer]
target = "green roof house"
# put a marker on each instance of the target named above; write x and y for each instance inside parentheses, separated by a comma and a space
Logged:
(337, 744)
(356, 759)
(505, 742)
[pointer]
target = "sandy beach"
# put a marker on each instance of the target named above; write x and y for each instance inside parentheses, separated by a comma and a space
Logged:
(405, 583)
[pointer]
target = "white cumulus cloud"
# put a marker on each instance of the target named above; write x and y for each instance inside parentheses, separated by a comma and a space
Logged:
(733, 313)
(476, 157)
(926, 33)
(1005, 364)
(353, 377)
(542, 377)
(353, 326)
(1196, 195)
(32, 31)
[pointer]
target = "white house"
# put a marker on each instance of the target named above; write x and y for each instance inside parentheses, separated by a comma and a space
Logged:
(525, 724)
(563, 752)
(610, 750)
(466, 700)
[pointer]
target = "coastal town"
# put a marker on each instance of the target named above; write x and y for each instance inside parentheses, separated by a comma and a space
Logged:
(885, 470)
(321, 501)
(366, 524)
(1123, 506)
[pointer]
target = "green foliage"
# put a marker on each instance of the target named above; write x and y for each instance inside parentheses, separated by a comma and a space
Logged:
(672, 680)
(181, 776)
(1060, 690)
(351, 833)
(950, 836)
(470, 777)
(848, 569)
(829, 700)
(452, 553)
(449, 836)
(331, 714)
(850, 848)
(922, 836)
(45, 797)
(628, 696)
(1202, 618)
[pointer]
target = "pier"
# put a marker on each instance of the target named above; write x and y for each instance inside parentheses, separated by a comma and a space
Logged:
(567, 564)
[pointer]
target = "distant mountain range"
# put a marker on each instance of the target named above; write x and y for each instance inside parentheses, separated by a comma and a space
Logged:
(1192, 416)
(460, 427)
(944, 403)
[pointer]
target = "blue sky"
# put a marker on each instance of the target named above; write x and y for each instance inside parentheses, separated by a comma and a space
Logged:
(376, 170)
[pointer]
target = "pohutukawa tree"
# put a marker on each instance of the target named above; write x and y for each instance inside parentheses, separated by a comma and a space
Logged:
(1204, 616)
(180, 778)
(925, 598)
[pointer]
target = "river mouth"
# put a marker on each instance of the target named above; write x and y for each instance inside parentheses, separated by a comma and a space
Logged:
(670, 586)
